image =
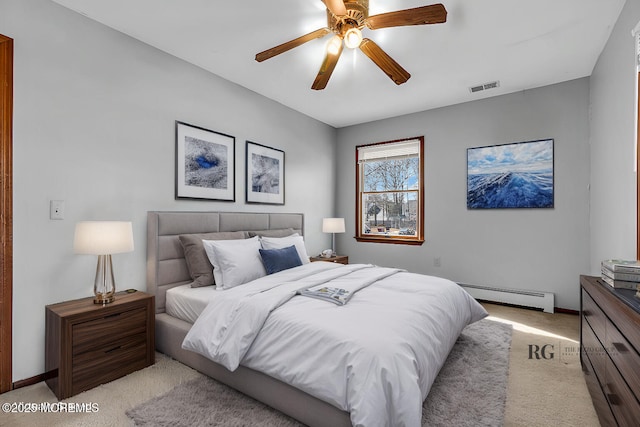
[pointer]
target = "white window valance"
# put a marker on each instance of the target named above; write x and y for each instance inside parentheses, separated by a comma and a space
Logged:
(636, 35)
(389, 151)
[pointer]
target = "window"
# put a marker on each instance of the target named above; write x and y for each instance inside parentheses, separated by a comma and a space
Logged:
(389, 182)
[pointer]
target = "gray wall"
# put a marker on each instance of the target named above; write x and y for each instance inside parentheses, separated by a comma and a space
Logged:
(613, 180)
(544, 249)
(94, 126)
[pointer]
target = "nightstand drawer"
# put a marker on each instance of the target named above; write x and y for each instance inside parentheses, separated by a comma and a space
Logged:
(117, 359)
(102, 331)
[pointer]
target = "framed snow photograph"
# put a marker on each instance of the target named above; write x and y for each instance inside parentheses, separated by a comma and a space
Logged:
(204, 164)
(265, 174)
(517, 175)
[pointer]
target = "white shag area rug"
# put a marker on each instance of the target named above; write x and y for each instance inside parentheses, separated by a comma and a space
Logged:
(470, 390)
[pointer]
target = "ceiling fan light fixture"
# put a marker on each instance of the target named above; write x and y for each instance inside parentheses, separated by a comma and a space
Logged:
(346, 19)
(352, 38)
(333, 47)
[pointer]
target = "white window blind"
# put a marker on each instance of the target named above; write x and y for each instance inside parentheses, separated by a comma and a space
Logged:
(638, 50)
(636, 35)
(389, 151)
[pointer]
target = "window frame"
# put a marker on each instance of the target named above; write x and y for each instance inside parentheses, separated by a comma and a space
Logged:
(637, 160)
(418, 239)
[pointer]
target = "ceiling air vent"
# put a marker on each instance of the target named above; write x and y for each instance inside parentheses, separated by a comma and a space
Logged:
(485, 86)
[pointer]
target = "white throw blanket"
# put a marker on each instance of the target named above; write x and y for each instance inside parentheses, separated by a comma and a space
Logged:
(375, 357)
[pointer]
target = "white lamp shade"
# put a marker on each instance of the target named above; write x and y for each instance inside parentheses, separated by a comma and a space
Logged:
(103, 237)
(333, 225)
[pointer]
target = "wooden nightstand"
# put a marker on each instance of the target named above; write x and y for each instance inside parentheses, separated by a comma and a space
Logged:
(340, 259)
(90, 344)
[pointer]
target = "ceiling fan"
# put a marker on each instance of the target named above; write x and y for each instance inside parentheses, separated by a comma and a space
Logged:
(346, 19)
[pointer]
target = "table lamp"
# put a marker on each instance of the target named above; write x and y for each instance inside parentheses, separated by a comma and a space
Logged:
(333, 226)
(103, 238)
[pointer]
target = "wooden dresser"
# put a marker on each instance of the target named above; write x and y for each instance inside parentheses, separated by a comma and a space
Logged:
(610, 350)
(90, 344)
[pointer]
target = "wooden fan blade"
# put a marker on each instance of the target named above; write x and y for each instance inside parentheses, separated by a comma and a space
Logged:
(270, 53)
(386, 63)
(433, 14)
(336, 7)
(326, 69)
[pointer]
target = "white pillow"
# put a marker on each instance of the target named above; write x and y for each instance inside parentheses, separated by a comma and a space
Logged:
(283, 242)
(235, 262)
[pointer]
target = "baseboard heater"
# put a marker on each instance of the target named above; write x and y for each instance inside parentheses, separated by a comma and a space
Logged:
(535, 299)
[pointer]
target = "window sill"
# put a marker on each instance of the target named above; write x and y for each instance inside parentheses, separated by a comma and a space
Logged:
(392, 240)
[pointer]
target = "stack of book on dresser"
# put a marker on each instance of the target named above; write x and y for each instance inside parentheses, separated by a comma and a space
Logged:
(622, 274)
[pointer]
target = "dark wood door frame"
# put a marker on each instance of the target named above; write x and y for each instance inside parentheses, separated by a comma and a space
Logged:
(6, 209)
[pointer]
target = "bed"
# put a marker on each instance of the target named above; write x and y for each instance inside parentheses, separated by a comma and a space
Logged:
(167, 271)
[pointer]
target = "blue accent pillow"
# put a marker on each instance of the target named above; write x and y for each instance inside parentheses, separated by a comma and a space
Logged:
(275, 260)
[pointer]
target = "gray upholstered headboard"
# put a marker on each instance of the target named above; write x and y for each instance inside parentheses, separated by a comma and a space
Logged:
(166, 266)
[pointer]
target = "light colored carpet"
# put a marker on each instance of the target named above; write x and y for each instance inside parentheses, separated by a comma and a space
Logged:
(113, 398)
(545, 392)
(469, 391)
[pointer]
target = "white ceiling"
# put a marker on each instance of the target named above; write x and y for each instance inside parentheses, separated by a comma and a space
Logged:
(523, 44)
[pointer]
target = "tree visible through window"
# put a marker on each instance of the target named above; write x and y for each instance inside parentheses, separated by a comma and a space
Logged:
(390, 191)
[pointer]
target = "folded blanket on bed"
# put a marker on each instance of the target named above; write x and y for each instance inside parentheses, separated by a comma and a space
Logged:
(333, 295)
(343, 288)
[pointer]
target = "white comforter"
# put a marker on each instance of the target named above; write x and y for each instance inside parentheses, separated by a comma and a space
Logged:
(375, 357)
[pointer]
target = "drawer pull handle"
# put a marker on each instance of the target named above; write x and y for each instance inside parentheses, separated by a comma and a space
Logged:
(620, 347)
(613, 398)
(113, 349)
(586, 313)
(112, 315)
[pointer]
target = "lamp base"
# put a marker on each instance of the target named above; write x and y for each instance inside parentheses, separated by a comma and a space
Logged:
(104, 299)
(333, 245)
(104, 286)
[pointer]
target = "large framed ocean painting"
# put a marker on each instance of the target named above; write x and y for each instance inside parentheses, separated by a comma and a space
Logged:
(516, 175)
(205, 164)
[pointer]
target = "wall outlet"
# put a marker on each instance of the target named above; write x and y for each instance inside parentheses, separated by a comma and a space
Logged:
(437, 262)
(56, 209)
